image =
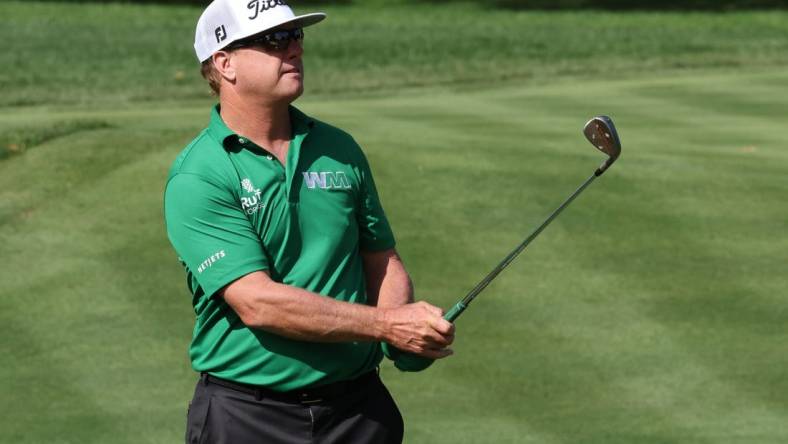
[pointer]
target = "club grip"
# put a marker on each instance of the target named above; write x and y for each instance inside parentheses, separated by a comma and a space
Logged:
(408, 362)
(455, 311)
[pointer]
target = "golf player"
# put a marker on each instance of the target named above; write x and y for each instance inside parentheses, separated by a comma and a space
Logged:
(289, 257)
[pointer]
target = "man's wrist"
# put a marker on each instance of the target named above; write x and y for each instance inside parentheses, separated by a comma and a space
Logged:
(381, 324)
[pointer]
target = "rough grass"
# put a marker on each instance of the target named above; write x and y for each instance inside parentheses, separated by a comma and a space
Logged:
(118, 53)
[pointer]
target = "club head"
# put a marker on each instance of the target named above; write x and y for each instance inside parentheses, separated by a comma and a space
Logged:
(601, 132)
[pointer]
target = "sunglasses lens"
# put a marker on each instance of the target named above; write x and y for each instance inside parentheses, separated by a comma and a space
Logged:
(276, 40)
(281, 39)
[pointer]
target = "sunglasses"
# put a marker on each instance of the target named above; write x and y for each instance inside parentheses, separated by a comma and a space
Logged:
(272, 41)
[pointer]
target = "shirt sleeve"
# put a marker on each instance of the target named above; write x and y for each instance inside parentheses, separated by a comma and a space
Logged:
(210, 232)
(374, 230)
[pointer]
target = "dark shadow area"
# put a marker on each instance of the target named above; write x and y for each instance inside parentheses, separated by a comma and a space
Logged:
(611, 5)
(634, 5)
(295, 4)
(653, 5)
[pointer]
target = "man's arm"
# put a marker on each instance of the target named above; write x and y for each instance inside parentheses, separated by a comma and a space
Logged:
(299, 314)
(388, 284)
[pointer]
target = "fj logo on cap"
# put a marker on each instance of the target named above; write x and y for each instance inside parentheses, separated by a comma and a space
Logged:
(221, 34)
(259, 6)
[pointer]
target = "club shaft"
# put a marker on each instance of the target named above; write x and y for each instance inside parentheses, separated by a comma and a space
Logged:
(463, 304)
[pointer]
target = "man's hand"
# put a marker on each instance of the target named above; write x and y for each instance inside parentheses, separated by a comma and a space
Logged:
(418, 328)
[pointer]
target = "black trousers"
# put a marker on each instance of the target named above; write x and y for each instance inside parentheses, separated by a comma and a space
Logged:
(364, 413)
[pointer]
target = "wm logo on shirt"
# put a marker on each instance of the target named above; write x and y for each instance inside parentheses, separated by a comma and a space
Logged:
(326, 180)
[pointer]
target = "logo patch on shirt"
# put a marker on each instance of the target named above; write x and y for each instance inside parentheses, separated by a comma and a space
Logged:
(207, 263)
(252, 203)
(326, 180)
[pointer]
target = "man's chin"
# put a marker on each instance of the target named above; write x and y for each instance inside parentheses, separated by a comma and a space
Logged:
(296, 93)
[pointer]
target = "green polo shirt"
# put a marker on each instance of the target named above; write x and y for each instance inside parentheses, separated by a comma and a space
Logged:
(231, 208)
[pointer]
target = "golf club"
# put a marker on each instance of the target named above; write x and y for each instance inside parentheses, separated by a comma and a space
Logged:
(601, 132)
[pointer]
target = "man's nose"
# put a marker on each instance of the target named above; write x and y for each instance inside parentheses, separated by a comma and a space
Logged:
(295, 49)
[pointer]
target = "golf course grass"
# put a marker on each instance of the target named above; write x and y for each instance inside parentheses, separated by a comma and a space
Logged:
(651, 311)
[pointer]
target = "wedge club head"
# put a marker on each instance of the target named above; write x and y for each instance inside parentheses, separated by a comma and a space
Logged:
(601, 132)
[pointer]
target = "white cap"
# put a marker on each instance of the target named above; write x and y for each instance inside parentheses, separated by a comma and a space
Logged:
(225, 21)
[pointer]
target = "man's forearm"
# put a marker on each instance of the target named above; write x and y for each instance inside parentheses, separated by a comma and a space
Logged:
(300, 314)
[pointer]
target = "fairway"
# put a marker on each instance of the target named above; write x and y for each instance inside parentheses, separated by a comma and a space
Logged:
(651, 311)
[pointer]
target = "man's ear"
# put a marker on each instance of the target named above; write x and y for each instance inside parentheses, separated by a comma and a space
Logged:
(223, 63)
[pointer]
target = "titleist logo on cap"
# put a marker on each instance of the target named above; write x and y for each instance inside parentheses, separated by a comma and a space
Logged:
(259, 6)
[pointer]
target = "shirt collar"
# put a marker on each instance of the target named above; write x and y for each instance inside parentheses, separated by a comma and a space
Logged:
(301, 124)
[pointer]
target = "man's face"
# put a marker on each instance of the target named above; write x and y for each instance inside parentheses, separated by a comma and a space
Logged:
(270, 75)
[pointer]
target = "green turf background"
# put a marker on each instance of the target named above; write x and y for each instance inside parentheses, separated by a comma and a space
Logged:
(651, 311)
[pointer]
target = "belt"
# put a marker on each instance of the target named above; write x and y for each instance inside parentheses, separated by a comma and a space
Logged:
(310, 395)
